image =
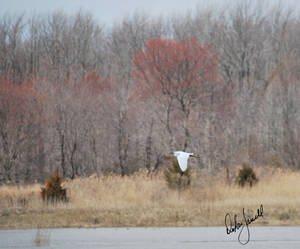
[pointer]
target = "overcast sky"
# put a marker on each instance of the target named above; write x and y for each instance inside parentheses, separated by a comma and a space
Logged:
(108, 11)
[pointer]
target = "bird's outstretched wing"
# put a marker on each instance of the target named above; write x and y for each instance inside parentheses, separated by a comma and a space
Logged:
(183, 160)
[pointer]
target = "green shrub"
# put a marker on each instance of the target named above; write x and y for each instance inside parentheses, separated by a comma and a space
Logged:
(53, 191)
(176, 179)
(246, 176)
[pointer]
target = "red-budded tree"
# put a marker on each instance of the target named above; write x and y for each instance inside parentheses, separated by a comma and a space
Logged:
(180, 75)
(20, 119)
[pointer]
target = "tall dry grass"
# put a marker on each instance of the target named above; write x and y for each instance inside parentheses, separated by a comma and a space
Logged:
(144, 200)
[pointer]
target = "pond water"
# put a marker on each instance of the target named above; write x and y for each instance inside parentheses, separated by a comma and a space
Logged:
(144, 238)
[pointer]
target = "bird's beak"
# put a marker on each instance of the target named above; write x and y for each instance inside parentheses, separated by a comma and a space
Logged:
(195, 156)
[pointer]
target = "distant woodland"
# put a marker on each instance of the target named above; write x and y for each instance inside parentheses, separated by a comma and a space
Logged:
(80, 98)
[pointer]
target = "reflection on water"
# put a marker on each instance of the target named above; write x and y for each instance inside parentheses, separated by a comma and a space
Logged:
(42, 238)
(154, 238)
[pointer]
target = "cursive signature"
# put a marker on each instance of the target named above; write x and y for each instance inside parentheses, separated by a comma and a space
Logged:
(233, 226)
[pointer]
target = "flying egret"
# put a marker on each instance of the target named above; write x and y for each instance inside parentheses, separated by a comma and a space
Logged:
(182, 158)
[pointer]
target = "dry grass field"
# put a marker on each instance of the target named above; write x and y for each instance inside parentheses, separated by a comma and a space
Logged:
(143, 200)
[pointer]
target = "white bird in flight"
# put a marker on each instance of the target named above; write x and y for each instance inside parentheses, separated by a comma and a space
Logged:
(182, 158)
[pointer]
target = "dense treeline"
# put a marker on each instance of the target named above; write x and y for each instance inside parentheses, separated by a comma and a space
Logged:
(81, 98)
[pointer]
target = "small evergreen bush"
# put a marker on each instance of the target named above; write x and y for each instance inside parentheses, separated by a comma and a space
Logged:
(53, 191)
(246, 176)
(176, 179)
